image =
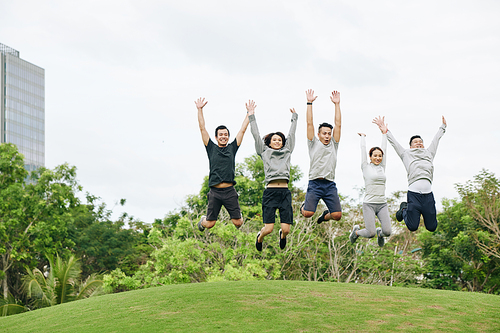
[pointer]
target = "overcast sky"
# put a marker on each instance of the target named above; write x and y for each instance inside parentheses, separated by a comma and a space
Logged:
(121, 78)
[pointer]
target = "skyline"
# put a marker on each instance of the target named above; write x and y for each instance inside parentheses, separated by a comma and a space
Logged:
(121, 79)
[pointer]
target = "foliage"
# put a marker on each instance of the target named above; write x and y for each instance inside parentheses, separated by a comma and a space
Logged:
(314, 252)
(33, 216)
(61, 283)
(453, 259)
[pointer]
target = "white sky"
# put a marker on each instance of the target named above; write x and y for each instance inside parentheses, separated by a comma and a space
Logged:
(122, 78)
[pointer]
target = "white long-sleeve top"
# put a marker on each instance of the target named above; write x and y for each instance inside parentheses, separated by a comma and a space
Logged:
(374, 175)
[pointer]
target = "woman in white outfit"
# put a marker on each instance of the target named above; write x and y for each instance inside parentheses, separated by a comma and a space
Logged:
(374, 203)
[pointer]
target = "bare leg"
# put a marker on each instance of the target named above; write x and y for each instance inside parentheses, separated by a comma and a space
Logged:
(266, 230)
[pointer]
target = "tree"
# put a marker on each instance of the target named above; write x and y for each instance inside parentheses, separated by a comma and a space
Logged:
(481, 196)
(61, 283)
(33, 216)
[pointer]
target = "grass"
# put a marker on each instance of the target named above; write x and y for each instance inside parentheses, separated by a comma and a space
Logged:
(268, 306)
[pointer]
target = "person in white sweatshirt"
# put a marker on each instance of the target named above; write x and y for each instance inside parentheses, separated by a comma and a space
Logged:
(418, 162)
(374, 203)
(275, 151)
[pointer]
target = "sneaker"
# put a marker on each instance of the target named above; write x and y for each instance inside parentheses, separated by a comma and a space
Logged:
(380, 238)
(353, 235)
(282, 241)
(200, 227)
(399, 213)
(258, 245)
(322, 217)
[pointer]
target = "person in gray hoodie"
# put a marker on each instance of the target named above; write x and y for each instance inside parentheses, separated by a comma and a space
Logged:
(418, 162)
(275, 151)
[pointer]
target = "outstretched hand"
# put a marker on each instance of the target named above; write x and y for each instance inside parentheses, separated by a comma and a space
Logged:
(292, 110)
(250, 107)
(200, 103)
(444, 121)
(380, 122)
(335, 98)
(310, 96)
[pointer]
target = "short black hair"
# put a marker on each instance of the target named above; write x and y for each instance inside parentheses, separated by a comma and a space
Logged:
(267, 138)
(325, 125)
(415, 137)
(220, 128)
(376, 148)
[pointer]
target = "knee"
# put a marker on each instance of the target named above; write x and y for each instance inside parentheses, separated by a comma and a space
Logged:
(432, 229)
(412, 228)
(371, 234)
(336, 216)
(307, 213)
(209, 224)
(237, 222)
(386, 233)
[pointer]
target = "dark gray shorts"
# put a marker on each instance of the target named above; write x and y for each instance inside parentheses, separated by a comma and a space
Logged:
(227, 197)
(277, 198)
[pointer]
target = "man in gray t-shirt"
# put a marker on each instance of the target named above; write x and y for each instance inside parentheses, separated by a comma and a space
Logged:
(323, 160)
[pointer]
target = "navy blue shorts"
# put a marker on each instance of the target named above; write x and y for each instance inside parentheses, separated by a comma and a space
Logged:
(322, 189)
(227, 197)
(277, 198)
(420, 204)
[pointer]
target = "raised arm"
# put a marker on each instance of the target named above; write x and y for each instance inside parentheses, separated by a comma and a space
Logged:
(290, 141)
(435, 141)
(364, 160)
(380, 122)
(259, 143)
(239, 137)
(335, 98)
(309, 114)
(200, 103)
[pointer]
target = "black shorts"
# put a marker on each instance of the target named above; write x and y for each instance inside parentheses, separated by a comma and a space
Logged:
(217, 197)
(277, 198)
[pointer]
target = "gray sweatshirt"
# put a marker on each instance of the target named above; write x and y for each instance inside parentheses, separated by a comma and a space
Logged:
(374, 175)
(276, 161)
(418, 161)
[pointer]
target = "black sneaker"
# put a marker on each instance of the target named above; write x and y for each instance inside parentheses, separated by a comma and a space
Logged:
(282, 241)
(200, 227)
(322, 217)
(399, 213)
(353, 235)
(380, 237)
(258, 245)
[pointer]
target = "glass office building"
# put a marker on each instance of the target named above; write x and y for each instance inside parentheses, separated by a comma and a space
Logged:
(22, 104)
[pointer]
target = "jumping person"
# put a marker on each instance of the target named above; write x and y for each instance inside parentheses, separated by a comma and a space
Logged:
(221, 176)
(323, 159)
(374, 203)
(275, 151)
(420, 169)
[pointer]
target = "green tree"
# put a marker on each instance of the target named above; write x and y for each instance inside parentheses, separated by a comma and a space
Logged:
(61, 284)
(33, 216)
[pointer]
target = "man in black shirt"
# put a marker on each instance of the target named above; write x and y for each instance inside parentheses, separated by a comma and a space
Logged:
(222, 165)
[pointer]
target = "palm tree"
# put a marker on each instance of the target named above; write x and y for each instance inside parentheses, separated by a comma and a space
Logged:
(10, 306)
(61, 284)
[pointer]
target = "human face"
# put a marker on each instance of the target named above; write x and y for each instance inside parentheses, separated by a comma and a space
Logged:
(376, 157)
(276, 142)
(325, 135)
(222, 137)
(417, 143)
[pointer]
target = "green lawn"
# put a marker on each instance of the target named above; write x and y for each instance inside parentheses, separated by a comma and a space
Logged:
(268, 306)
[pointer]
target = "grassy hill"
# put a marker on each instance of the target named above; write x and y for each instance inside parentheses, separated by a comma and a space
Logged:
(267, 306)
